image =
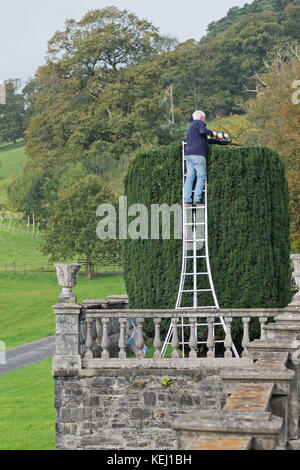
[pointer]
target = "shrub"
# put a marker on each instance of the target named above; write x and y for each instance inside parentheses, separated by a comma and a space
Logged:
(248, 224)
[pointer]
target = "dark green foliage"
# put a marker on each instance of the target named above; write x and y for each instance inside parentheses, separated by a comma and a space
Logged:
(236, 13)
(248, 228)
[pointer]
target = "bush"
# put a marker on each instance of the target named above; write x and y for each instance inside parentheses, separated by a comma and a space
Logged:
(248, 222)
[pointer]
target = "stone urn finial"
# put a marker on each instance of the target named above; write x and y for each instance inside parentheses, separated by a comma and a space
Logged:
(67, 275)
(296, 275)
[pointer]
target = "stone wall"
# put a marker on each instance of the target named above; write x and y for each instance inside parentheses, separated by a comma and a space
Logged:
(130, 409)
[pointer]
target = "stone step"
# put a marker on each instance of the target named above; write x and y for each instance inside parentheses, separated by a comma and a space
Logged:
(225, 443)
(250, 397)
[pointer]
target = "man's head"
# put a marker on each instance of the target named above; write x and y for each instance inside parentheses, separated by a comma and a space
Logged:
(200, 115)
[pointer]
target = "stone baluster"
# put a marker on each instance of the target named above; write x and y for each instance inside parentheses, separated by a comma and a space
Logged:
(175, 340)
(193, 339)
(228, 338)
(140, 339)
(105, 339)
(262, 321)
(210, 338)
(246, 337)
(157, 339)
(99, 335)
(89, 339)
(82, 337)
(122, 339)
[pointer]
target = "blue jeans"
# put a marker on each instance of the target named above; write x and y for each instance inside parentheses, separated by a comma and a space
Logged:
(195, 166)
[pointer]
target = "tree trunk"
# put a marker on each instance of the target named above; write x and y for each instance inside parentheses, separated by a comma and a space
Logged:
(89, 271)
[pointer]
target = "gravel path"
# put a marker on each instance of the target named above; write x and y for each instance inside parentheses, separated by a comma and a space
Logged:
(28, 354)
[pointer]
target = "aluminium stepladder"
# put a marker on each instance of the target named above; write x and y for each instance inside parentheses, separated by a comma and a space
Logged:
(195, 238)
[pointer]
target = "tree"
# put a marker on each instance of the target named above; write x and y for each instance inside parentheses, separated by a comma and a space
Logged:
(103, 42)
(12, 113)
(274, 120)
(96, 101)
(291, 21)
(71, 229)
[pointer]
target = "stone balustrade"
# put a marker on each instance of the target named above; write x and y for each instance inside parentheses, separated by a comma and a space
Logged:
(97, 339)
(100, 335)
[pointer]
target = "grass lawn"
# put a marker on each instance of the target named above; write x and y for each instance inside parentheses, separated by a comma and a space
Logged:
(27, 413)
(13, 160)
(15, 248)
(26, 302)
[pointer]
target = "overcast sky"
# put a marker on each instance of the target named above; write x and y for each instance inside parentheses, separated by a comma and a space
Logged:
(27, 25)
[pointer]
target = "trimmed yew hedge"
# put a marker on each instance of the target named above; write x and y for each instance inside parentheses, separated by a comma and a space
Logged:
(248, 221)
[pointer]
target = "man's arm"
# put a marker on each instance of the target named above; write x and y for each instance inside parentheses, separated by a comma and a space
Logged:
(204, 131)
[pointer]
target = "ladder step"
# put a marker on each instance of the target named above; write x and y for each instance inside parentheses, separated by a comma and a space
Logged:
(197, 290)
(180, 325)
(194, 274)
(194, 257)
(202, 206)
(198, 308)
(196, 240)
(194, 223)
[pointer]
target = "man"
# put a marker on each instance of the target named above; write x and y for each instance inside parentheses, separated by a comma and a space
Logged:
(195, 157)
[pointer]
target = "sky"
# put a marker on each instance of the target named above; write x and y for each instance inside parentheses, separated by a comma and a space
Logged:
(27, 25)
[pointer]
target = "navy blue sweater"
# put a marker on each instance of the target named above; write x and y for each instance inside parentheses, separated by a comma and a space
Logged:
(196, 139)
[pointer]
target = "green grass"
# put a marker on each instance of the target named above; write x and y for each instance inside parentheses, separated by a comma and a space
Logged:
(26, 302)
(27, 413)
(12, 160)
(15, 248)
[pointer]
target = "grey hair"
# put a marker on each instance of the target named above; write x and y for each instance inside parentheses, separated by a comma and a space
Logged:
(198, 114)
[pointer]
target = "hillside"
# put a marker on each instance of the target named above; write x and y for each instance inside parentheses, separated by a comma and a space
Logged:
(235, 14)
(12, 162)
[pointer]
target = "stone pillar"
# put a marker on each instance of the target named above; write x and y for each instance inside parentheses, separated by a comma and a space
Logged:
(67, 359)
(296, 275)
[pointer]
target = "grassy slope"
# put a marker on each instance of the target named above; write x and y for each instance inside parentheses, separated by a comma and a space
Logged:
(26, 303)
(15, 247)
(27, 414)
(12, 159)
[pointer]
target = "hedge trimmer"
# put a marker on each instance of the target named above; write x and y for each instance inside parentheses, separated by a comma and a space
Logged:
(222, 138)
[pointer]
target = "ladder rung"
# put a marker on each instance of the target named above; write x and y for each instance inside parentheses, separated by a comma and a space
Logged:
(193, 308)
(194, 274)
(202, 206)
(198, 290)
(196, 240)
(196, 257)
(204, 190)
(182, 325)
(194, 223)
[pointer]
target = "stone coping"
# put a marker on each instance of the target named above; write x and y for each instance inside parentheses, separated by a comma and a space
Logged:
(181, 363)
(261, 374)
(250, 397)
(225, 443)
(229, 422)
